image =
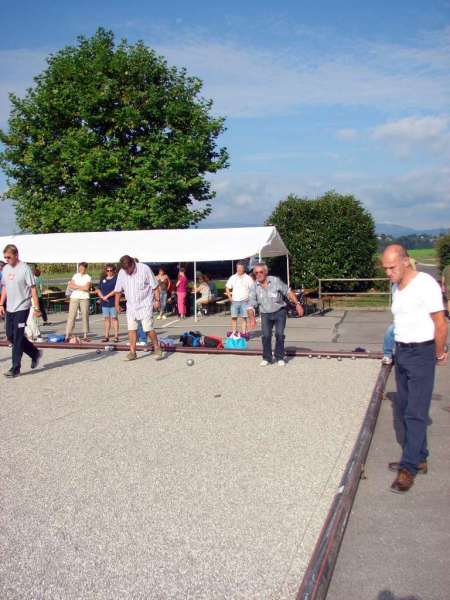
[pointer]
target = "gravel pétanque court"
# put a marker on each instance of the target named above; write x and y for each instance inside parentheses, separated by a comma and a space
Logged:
(160, 480)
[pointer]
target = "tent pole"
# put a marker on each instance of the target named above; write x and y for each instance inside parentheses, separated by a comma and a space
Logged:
(232, 267)
(287, 271)
(195, 293)
(259, 256)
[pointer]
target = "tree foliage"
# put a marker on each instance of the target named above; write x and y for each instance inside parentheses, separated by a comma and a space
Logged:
(330, 237)
(111, 137)
(443, 251)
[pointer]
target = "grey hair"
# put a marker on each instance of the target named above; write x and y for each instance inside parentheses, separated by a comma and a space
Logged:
(261, 264)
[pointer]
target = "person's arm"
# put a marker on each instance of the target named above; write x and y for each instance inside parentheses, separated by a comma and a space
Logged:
(35, 301)
(298, 307)
(440, 336)
(252, 304)
(3, 301)
(118, 289)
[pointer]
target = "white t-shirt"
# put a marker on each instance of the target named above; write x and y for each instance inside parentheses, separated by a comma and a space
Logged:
(79, 279)
(412, 307)
(240, 286)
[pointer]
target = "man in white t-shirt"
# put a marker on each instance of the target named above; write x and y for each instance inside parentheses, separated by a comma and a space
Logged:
(237, 289)
(421, 343)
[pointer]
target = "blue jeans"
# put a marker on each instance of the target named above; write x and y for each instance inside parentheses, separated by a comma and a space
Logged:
(141, 335)
(268, 320)
(414, 374)
(162, 301)
(389, 341)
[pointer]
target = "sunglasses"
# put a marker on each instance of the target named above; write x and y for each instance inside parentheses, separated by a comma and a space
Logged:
(109, 270)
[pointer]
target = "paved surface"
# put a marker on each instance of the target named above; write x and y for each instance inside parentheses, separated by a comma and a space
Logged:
(159, 480)
(336, 330)
(398, 547)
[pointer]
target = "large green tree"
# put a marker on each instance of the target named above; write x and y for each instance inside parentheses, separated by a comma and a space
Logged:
(443, 251)
(329, 237)
(111, 137)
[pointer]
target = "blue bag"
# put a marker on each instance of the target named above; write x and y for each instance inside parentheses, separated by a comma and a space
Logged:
(235, 343)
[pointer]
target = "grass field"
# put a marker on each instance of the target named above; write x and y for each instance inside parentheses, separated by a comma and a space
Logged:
(424, 254)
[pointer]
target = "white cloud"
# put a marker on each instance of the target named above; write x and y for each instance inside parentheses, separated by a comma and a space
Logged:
(419, 198)
(429, 133)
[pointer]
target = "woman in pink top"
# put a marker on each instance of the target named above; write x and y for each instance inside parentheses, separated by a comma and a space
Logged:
(182, 284)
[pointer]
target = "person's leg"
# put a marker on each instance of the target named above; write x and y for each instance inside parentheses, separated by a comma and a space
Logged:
(280, 325)
(421, 363)
(147, 324)
(73, 308)
(115, 324)
(162, 303)
(21, 343)
(266, 326)
(181, 297)
(84, 308)
(132, 338)
(107, 326)
(243, 313)
(43, 310)
(389, 342)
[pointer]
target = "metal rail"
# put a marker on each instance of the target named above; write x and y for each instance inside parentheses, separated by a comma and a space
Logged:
(188, 350)
(320, 569)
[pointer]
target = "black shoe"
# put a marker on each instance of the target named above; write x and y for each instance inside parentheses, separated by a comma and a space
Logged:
(12, 373)
(35, 361)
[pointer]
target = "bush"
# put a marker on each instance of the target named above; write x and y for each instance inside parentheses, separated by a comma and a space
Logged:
(443, 251)
(330, 237)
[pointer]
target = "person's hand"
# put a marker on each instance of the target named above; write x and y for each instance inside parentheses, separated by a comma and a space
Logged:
(2, 311)
(300, 310)
(442, 359)
(251, 321)
(37, 312)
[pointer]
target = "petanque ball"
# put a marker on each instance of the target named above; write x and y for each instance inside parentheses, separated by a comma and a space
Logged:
(339, 357)
(189, 362)
(98, 351)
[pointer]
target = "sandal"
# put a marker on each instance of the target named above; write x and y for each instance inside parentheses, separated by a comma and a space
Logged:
(105, 339)
(85, 340)
(116, 340)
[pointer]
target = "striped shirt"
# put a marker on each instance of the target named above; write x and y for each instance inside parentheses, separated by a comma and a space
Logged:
(138, 289)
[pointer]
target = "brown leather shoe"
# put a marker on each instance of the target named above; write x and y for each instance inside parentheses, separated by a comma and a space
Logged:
(422, 467)
(403, 482)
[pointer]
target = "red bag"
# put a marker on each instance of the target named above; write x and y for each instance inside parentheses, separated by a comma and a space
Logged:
(211, 341)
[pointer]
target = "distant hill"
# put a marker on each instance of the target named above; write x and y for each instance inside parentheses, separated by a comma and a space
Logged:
(400, 230)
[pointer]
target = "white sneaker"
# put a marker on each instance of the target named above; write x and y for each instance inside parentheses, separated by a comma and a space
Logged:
(39, 339)
(281, 363)
(264, 363)
(386, 360)
(141, 343)
(164, 317)
(158, 317)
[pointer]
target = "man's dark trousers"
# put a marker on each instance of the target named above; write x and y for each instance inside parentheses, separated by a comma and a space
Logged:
(268, 320)
(414, 372)
(15, 332)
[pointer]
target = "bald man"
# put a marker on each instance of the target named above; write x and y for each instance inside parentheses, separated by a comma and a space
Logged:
(420, 343)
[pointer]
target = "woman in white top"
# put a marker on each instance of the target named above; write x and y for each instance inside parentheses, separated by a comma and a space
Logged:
(79, 287)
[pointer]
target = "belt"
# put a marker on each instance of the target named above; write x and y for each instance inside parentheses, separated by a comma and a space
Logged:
(414, 344)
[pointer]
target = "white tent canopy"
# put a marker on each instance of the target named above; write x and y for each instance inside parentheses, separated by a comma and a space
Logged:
(156, 246)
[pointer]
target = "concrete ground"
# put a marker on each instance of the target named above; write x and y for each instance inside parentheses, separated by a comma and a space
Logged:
(158, 480)
(398, 547)
(336, 330)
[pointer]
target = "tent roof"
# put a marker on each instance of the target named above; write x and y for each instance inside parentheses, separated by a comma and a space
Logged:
(157, 246)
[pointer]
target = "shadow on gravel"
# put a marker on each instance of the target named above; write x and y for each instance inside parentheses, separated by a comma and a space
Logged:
(72, 360)
(388, 595)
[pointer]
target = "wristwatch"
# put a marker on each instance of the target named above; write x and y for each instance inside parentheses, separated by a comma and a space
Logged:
(444, 353)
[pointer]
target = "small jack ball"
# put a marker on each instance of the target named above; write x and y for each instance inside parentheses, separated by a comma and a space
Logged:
(189, 362)
(339, 357)
(353, 357)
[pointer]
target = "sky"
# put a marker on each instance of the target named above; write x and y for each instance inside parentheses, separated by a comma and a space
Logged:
(317, 95)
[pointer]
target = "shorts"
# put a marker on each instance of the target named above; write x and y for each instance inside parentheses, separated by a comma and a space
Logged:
(146, 322)
(239, 309)
(109, 311)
